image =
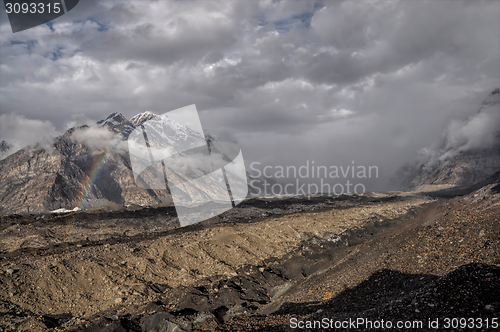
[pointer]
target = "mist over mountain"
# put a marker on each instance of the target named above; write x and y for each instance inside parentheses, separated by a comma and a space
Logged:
(4, 146)
(89, 166)
(468, 152)
(4, 149)
(18, 131)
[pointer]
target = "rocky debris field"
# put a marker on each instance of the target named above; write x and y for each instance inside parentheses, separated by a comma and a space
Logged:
(255, 267)
(117, 223)
(445, 264)
(392, 296)
(84, 279)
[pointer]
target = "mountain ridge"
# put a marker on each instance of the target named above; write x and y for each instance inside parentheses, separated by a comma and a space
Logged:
(90, 166)
(74, 174)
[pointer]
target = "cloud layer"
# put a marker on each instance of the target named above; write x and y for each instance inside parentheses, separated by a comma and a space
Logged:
(370, 81)
(480, 130)
(20, 132)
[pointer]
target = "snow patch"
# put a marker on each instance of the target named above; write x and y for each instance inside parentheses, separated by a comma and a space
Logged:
(63, 210)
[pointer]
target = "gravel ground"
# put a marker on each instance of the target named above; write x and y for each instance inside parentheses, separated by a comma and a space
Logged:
(392, 257)
(84, 282)
(446, 267)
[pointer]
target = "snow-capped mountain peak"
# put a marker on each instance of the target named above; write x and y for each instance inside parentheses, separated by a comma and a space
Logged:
(142, 117)
(114, 119)
(118, 124)
(163, 131)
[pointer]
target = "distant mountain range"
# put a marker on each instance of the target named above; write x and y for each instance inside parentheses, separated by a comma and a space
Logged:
(469, 153)
(90, 166)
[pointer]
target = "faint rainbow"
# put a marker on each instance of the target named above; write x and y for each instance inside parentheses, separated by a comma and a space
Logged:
(96, 172)
(92, 179)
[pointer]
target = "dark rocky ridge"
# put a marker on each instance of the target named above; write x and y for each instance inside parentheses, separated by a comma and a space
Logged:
(4, 146)
(117, 123)
(470, 291)
(150, 266)
(35, 180)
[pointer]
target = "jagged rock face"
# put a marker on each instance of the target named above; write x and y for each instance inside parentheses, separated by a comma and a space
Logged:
(35, 180)
(167, 138)
(464, 159)
(117, 123)
(71, 176)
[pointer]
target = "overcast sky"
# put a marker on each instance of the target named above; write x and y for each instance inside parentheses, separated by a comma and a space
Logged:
(335, 82)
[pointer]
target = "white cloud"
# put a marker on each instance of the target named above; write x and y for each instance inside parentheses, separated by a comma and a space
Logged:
(99, 138)
(18, 131)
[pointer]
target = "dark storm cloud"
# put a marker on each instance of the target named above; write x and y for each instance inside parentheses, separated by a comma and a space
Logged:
(373, 81)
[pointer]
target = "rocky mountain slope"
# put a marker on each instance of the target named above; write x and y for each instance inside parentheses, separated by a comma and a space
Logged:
(87, 167)
(464, 169)
(70, 175)
(469, 153)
